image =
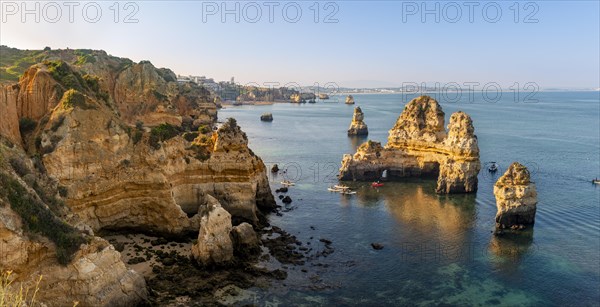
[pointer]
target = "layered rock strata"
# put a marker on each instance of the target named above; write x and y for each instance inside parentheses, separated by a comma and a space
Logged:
(516, 198)
(358, 126)
(418, 146)
(121, 175)
(90, 272)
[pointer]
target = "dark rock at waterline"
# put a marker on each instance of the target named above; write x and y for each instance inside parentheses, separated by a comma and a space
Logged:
(282, 190)
(327, 242)
(287, 200)
(159, 241)
(281, 196)
(136, 260)
(168, 261)
(377, 246)
(275, 168)
(266, 117)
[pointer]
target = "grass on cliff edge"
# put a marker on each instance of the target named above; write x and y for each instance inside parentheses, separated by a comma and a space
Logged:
(37, 218)
(11, 297)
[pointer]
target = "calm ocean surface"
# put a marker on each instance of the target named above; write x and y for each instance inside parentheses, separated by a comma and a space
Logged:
(439, 249)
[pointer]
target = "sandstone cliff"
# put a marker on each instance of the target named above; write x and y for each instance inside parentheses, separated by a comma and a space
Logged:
(516, 198)
(128, 148)
(146, 176)
(418, 146)
(358, 126)
(35, 240)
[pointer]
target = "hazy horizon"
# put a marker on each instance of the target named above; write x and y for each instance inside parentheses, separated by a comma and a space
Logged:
(353, 44)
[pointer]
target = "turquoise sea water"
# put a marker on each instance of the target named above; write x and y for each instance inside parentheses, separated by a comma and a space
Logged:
(439, 249)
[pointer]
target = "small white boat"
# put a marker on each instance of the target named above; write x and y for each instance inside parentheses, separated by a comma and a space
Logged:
(333, 189)
(596, 181)
(347, 192)
(287, 183)
(341, 187)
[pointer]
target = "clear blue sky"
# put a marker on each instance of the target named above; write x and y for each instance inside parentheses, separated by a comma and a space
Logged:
(370, 45)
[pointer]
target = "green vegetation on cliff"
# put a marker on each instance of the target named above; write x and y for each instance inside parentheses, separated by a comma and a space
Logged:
(38, 218)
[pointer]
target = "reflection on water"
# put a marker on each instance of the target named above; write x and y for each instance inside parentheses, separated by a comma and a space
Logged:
(355, 142)
(510, 249)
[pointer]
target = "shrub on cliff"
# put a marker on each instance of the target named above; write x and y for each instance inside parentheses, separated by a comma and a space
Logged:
(162, 133)
(62, 73)
(37, 218)
(26, 125)
(73, 98)
(19, 167)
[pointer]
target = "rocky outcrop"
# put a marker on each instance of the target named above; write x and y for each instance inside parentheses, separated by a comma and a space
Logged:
(92, 275)
(349, 99)
(266, 117)
(214, 245)
(358, 126)
(418, 146)
(245, 239)
(98, 141)
(516, 198)
(129, 148)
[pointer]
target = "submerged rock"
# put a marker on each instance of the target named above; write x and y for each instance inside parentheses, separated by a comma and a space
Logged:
(377, 246)
(275, 168)
(358, 126)
(516, 198)
(214, 245)
(266, 117)
(418, 146)
(349, 99)
(287, 200)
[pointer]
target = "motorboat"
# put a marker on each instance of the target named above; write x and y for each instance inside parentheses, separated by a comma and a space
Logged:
(341, 187)
(287, 183)
(493, 167)
(596, 181)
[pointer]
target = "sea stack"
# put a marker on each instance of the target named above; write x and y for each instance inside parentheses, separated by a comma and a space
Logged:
(419, 146)
(266, 117)
(349, 99)
(214, 246)
(516, 198)
(358, 126)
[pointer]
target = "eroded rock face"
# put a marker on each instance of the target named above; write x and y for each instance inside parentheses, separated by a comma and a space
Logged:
(214, 245)
(245, 239)
(418, 146)
(95, 276)
(116, 176)
(358, 126)
(516, 198)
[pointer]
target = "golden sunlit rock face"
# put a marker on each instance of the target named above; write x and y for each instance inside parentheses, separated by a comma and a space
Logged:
(516, 198)
(126, 147)
(419, 146)
(358, 126)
